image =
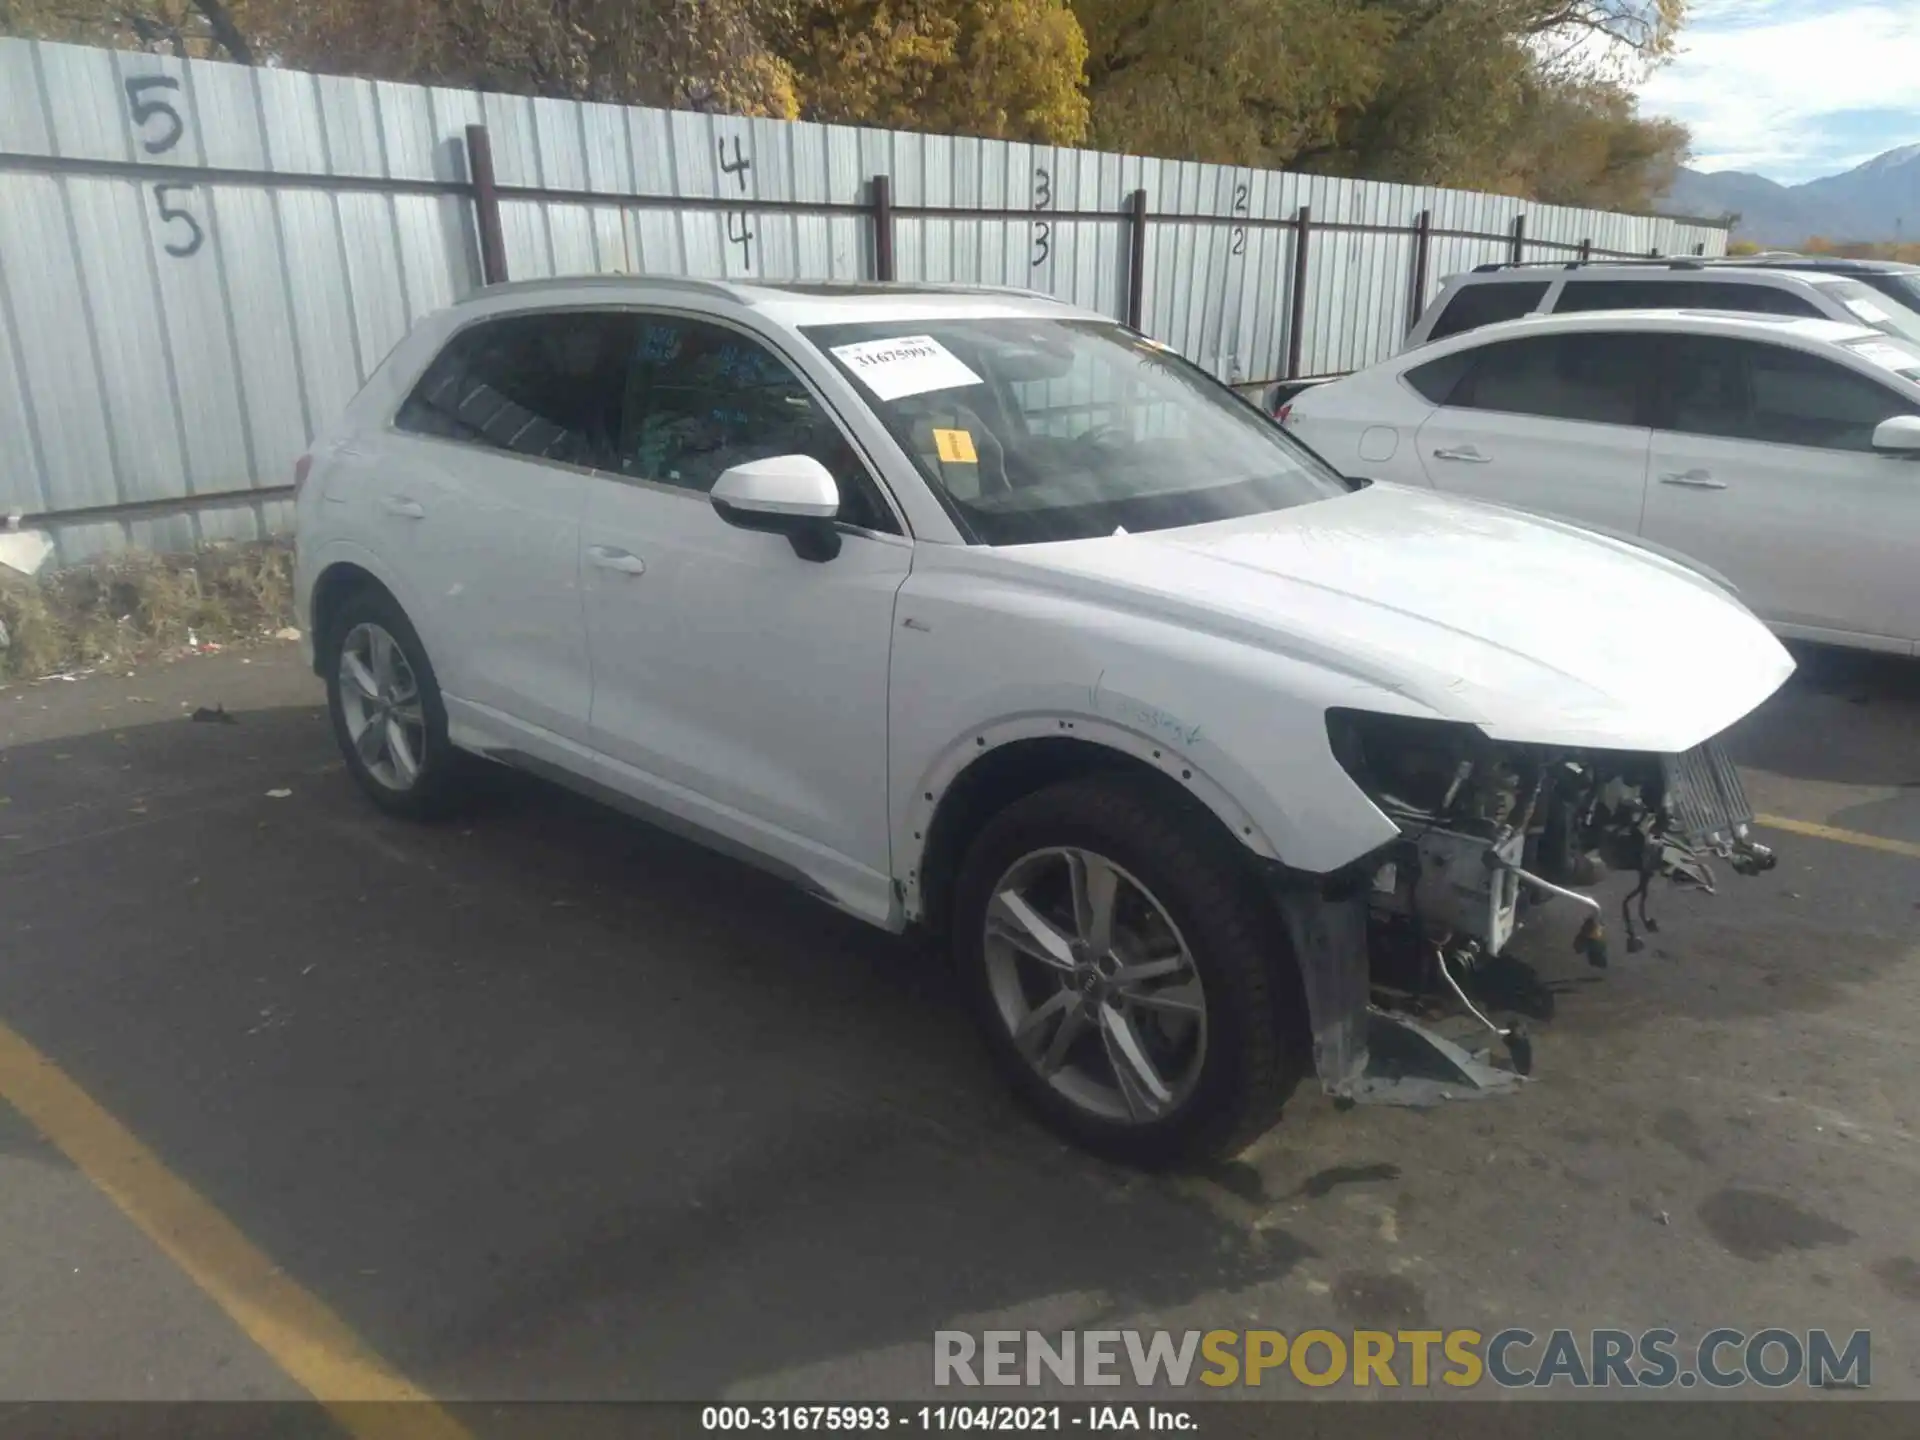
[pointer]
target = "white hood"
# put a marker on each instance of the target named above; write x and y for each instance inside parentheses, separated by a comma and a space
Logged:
(1533, 630)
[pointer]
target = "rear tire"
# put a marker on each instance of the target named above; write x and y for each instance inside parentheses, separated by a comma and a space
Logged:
(1170, 1035)
(388, 717)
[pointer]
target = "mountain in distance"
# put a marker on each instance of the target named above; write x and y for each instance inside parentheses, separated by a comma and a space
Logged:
(1879, 200)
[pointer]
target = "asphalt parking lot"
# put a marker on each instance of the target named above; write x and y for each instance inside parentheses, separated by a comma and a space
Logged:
(543, 1104)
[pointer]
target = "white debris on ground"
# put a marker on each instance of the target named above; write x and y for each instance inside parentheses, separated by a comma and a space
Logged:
(25, 550)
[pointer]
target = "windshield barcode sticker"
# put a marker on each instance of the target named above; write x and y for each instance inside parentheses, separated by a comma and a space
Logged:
(910, 365)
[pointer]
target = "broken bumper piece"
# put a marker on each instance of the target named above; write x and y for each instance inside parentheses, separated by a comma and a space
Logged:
(1408, 1063)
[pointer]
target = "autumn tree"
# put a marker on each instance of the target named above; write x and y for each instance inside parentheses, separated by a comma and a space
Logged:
(1463, 81)
(1426, 91)
(1010, 68)
(1007, 69)
(711, 55)
(183, 28)
(1584, 143)
(1452, 80)
(1524, 96)
(1245, 82)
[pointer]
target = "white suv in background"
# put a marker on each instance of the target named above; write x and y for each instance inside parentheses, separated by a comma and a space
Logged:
(1493, 293)
(1782, 454)
(976, 612)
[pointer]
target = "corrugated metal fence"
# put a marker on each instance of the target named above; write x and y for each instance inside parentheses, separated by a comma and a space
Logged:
(200, 262)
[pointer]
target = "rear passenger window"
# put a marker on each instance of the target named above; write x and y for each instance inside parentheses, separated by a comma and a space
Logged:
(1767, 300)
(1577, 295)
(1475, 305)
(547, 386)
(1678, 294)
(1592, 377)
(1705, 391)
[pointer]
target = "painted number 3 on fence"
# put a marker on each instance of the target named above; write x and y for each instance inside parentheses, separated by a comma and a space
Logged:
(1042, 229)
(157, 123)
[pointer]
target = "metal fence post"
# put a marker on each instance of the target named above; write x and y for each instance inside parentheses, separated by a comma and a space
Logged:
(882, 227)
(486, 207)
(1422, 251)
(1586, 249)
(1297, 319)
(1136, 257)
(1519, 238)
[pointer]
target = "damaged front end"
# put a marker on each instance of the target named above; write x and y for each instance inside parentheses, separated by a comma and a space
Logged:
(1487, 829)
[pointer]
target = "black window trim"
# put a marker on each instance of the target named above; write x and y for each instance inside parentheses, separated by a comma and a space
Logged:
(645, 307)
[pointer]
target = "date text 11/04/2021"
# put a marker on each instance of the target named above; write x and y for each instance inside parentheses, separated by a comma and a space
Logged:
(935, 1418)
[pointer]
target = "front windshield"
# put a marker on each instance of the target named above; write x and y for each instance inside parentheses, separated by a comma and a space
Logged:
(1901, 357)
(1901, 285)
(1037, 429)
(1881, 311)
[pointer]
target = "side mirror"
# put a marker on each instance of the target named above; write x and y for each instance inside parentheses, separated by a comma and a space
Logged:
(791, 495)
(1898, 436)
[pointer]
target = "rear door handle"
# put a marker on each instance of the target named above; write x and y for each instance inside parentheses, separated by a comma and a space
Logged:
(608, 558)
(1693, 480)
(404, 508)
(1466, 453)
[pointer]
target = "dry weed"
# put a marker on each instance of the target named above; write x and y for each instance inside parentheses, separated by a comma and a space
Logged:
(121, 607)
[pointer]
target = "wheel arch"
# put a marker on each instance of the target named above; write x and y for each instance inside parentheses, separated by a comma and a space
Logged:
(340, 573)
(988, 769)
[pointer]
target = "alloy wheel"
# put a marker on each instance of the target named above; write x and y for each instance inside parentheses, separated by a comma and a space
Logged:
(380, 701)
(1096, 985)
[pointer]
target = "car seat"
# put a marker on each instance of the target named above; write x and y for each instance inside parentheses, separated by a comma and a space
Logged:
(952, 442)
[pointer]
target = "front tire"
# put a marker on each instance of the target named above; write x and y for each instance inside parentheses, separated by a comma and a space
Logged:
(1133, 985)
(388, 717)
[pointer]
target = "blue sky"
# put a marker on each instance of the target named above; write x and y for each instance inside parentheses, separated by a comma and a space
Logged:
(1793, 89)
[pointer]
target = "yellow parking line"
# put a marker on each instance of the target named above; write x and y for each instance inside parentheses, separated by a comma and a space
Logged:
(1844, 837)
(294, 1327)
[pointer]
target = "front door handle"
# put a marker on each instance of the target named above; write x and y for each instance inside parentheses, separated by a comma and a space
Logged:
(608, 558)
(1694, 480)
(405, 509)
(1466, 453)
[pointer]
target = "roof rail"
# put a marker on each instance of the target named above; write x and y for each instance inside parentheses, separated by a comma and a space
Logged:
(717, 288)
(1674, 262)
(742, 289)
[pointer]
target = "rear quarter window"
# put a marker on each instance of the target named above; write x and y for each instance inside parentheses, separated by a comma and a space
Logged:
(1472, 306)
(1436, 380)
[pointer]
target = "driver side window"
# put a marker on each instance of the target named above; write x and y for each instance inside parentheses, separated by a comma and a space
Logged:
(702, 398)
(1743, 390)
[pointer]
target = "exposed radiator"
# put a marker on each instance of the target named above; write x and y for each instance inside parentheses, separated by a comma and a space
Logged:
(1704, 795)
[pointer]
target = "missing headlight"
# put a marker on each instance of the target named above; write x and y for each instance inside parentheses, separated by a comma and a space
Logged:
(1536, 819)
